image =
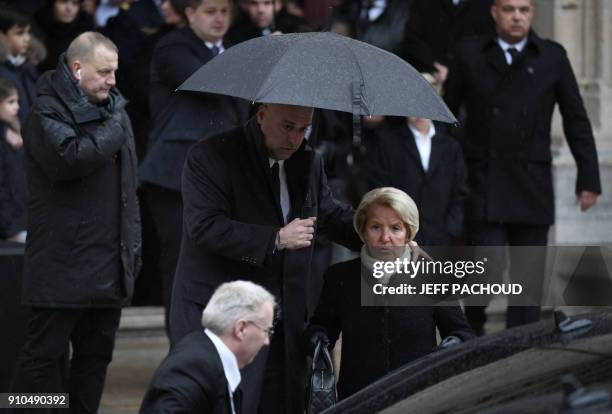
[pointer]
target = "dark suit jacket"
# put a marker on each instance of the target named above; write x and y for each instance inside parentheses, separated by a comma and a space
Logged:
(189, 380)
(244, 29)
(386, 31)
(507, 131)
(377, 339)
(436, 26)
(439, 193)
(230, 223)
(179, 119)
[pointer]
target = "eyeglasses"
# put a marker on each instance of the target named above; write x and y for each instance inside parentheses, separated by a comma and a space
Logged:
(268, 331)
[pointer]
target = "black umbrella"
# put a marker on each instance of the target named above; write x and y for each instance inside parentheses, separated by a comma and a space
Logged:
(321, 70)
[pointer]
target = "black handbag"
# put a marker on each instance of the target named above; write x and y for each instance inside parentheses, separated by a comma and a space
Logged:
(322, 388)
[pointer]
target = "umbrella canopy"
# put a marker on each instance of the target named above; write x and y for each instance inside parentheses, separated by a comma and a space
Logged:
(321, 70)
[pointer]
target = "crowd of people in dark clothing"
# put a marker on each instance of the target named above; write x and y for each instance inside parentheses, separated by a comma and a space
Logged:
(485, 182)
(45, 28)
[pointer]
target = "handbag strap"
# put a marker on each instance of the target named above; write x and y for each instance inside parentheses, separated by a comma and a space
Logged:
(321, 358)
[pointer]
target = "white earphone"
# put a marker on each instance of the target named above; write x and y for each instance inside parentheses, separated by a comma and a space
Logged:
(78, 74)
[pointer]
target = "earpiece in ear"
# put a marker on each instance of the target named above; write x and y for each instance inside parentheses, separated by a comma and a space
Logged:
(78, 74)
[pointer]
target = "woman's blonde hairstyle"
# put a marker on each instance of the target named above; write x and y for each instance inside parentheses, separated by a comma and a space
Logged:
(399, 201)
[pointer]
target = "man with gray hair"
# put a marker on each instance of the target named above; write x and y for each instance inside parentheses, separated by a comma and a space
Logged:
(81, 256)
(202, 371)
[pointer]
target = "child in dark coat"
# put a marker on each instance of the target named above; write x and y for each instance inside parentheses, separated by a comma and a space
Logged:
(12, 177)
(15, 40)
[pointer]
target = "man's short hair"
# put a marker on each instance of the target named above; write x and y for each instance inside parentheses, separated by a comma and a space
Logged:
(234, 301)
(194, 4)
(82, 48)
(394, 198)
(10, 18)
(179, 7)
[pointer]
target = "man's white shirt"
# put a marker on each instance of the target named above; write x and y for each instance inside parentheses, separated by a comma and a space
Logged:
(423, 143)
(505, 46)
(230, 365)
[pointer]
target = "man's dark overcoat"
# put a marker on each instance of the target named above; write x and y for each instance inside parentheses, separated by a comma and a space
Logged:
(189, 380)
(179, 119)
(439, 192)
(507, 131)
(436, 26)
(230, 223)
(83, 242)
(377, 339)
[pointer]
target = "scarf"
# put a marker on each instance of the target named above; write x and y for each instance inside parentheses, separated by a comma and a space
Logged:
(368, 261)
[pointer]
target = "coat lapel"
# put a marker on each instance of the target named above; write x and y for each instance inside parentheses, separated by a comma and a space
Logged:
(298, 171)
(198, 45)
(435, 157)
(495, 57)
(259, 158)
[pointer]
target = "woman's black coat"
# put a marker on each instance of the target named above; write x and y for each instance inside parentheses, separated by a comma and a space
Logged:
(377, 340)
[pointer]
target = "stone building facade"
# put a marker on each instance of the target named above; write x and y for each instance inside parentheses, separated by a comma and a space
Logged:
(584, 28)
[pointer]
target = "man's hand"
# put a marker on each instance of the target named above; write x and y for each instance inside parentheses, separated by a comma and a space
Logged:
(441, 73)
(587, 199)
(13, 139)
(297, 234)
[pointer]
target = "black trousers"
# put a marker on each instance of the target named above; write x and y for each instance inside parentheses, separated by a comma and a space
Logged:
(166, 208)
(521, 267)
(92, 334)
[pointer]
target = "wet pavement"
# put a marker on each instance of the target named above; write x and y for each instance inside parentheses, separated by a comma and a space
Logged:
(140, 346)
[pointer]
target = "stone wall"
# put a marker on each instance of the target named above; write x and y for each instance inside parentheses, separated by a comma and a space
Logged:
(584, 28)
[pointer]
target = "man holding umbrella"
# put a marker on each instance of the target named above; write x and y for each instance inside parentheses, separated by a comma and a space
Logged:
(255, 196)
(252, 199)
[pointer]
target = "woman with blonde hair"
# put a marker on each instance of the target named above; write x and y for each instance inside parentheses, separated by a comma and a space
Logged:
(379, 339)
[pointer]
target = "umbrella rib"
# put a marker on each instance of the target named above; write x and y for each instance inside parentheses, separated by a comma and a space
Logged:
(270, 73)
(362, 82)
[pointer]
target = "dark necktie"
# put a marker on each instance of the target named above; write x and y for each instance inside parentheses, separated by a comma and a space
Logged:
(274, 174)
(214, 50)
(237, 400)
(513, 53)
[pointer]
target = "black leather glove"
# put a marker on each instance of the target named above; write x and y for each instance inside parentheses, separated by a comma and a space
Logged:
(449, 341)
